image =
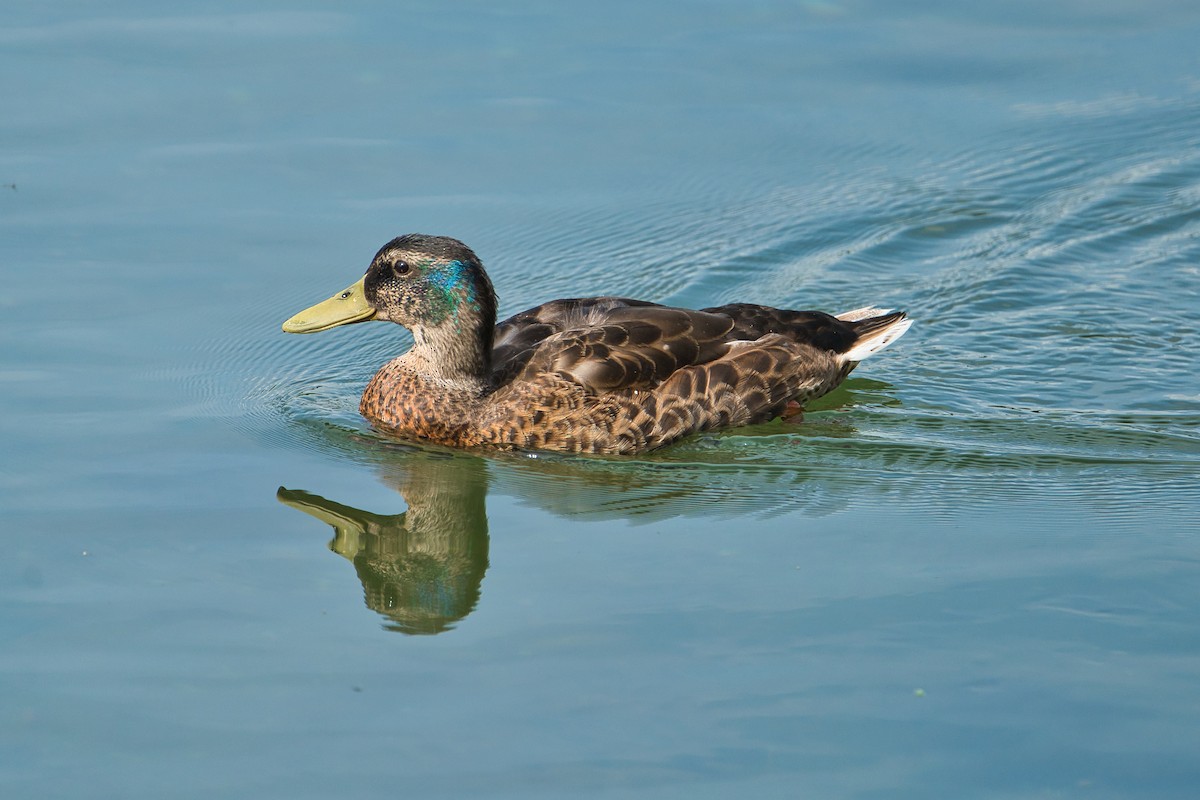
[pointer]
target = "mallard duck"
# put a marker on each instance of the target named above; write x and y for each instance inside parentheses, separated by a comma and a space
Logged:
(587, 375)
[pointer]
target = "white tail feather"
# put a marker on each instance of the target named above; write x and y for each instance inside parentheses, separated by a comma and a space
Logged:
(876, 340)
(865, 312)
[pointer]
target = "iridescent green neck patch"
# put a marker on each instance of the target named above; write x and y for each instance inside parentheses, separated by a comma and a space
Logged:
(451, 285)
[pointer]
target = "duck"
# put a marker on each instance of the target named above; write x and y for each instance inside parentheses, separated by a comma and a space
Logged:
(595, 375)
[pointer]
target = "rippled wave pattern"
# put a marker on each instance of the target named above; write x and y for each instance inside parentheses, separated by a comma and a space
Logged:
(1054, 351)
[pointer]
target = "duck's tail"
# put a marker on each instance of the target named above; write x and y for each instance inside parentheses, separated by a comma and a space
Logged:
(876, 329)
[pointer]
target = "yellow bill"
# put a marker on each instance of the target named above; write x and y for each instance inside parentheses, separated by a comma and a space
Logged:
(342, 309)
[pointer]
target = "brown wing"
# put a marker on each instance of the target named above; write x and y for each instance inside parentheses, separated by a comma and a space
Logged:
(750, 382)
(518, 337)
(631, 348)
(609, 375)
(606, 343)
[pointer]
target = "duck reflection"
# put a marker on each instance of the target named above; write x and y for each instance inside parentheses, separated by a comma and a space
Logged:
(422, 569)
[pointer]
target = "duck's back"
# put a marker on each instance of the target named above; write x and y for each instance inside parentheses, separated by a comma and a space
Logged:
(615, 375)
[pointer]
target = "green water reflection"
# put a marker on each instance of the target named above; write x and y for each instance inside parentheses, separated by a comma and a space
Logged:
(421, 569)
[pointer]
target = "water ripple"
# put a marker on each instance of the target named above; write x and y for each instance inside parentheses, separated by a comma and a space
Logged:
(1048, 361)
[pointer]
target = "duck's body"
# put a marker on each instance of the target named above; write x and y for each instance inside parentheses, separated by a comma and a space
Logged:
(593, 375)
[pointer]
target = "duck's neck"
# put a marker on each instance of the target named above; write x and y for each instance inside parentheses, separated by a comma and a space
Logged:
(457, 353)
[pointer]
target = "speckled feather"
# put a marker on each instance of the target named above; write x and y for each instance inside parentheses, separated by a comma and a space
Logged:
(595, 375)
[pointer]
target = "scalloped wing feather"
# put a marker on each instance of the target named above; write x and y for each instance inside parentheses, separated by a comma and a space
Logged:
(610, 375)
(751, 382)
(618, 346)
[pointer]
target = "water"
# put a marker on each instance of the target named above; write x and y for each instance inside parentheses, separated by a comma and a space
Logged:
(970, 572)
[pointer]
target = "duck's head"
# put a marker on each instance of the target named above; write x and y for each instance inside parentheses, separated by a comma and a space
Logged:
(433, 285)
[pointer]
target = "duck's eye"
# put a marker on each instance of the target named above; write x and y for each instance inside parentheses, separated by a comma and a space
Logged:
(401, 267)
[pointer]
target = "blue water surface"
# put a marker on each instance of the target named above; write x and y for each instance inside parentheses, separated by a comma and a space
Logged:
(972, 571)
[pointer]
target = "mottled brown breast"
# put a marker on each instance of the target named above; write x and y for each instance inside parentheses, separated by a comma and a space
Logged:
(407, 404)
